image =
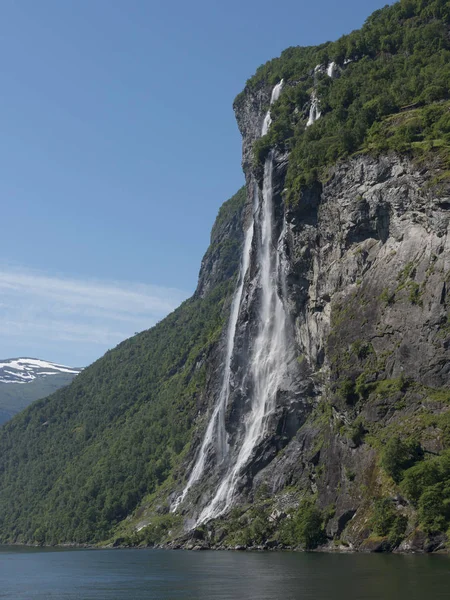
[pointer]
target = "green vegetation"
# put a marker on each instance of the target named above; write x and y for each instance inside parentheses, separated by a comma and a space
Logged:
(399, 455)
(16, 397)
(387, 298)
(387, 522)
(229, 211)
(427, 485)
(156, 532)
(77, 463)
(393, 95)
(425, 482)
(405, 281)
(362, 349)
(244, 526)
(346, 391)
(357, 431)
(305, 527)
(224, 249)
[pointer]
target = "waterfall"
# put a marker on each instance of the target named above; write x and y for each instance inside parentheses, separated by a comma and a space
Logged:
(314, 111)
(216, 426)
(268, 362)
(268, 356)
(332, 70)
(274, 97)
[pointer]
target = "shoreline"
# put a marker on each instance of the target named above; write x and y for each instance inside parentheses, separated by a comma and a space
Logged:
(342, 550)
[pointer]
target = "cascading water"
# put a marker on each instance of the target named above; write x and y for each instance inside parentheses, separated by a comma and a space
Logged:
(266, 366)
(314, 111)
(215, 431)
(273, 98)
(332, 70)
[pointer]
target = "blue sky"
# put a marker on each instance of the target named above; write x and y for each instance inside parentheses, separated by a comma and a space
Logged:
(118, 146)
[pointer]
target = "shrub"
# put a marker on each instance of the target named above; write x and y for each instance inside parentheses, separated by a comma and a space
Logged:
(397, 531)
(362, 349)
(434, 508)
(387, 297)
(387, 522)
(415, 293)
(399, 455)
(159, 528)
(346, 391)
(357, 432)
(427, 485)
(305, 527)
(383, 517)
(426, 474)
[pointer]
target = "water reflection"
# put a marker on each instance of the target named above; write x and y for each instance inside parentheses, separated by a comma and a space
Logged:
(30, 574)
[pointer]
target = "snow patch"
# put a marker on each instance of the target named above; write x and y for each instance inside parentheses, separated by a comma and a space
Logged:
(24, 370)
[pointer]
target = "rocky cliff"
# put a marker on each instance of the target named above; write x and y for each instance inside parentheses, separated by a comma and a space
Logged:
(367, 279)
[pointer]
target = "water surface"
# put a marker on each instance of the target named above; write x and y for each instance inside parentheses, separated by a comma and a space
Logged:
(37, 574)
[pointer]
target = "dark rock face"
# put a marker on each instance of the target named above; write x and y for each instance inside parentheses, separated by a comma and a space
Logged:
(379, 248)
(223, 255)
(250, 110)
(368, 270)
(367, 258)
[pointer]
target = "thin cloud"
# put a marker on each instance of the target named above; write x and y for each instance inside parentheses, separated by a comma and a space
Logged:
(37, 306)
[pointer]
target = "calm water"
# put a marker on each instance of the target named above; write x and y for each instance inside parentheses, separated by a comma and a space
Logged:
(29, 574)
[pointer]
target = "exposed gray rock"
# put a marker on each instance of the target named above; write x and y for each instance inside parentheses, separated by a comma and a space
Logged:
(368, 260)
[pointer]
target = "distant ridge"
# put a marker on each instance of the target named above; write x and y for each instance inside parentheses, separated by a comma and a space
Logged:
(24, 380)
(24, 370)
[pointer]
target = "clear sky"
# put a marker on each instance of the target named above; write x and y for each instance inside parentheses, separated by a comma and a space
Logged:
(118, 145)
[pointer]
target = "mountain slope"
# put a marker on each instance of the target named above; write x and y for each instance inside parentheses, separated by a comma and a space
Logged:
(24, 380)
(86, 456)
(341, 312)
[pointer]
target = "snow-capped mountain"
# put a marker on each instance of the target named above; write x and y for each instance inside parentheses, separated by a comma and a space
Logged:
(24, 370)
(24, 380)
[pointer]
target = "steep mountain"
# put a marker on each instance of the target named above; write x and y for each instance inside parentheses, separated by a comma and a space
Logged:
(301, 397)
(24, 380)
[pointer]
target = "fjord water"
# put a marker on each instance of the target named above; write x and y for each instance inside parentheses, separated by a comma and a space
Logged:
(31, 574)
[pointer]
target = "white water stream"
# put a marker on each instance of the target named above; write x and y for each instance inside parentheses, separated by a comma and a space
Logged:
(314, 111)
(332, 70)
(266, 366)
(215, 432)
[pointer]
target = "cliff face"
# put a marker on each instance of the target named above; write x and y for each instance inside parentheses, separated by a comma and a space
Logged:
(369, 292)
(367, 274)
(220, 261)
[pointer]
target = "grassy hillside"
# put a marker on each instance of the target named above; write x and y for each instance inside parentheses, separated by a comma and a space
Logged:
(76, 463)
